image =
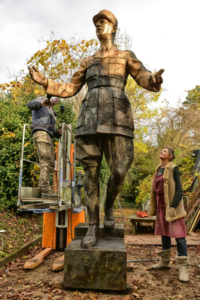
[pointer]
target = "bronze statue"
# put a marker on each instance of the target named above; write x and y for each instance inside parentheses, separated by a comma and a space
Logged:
(105, 121)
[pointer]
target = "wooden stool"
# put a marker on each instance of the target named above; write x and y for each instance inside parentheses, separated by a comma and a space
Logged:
(135, 220)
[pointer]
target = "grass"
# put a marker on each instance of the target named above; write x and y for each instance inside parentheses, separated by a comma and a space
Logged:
(19, 230)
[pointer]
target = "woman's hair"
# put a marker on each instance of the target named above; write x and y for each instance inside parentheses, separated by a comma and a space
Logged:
(171, 152)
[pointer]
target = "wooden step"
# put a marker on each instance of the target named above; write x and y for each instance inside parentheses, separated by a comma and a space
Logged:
(117, 232)
(25, 199)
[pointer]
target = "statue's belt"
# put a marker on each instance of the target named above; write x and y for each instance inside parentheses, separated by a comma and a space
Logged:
(106, 81)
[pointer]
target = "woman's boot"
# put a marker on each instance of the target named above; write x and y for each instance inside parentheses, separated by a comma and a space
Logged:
(183, 265)
(165, 259)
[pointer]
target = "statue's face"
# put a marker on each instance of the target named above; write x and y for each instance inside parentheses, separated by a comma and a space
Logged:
(104, 29)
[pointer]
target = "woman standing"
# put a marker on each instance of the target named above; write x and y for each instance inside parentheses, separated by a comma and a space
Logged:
(167, 204)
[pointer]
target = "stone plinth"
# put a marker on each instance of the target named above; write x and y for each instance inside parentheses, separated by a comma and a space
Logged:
(100, 267)
(118, 231)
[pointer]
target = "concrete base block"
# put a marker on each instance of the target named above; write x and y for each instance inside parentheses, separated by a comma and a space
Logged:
(100, 267)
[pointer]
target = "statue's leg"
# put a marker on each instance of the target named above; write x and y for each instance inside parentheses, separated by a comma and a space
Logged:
(119, 155)
(89, 153)
(91, 193)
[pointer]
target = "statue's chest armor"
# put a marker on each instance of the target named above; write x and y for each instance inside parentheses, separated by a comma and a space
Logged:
(108, 66)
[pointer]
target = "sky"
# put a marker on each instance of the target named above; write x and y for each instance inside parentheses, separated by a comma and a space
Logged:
(165, 34)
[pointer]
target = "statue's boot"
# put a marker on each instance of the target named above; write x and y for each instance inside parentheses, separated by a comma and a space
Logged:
(109, 219)
(91, 237)
(91, 193)
(112, 192)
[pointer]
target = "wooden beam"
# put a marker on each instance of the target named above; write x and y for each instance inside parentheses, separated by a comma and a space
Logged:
(36, 199)
(38, 259)
(62, 207)
(36, 205)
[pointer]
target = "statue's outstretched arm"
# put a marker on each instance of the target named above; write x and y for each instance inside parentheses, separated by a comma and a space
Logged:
(143, 77)
(62, 90)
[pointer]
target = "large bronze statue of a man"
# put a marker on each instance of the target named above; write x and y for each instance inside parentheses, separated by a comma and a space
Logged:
(105, 121)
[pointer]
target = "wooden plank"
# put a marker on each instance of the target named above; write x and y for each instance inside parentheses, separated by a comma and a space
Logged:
(62, 207)
(36, 205)
(38, 259)
(50, 205)
(68, 203)
(25, 199)
(58, 264)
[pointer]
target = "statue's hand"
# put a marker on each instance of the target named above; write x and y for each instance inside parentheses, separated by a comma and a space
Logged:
(38, 76)
(156, 80)
(46, 102)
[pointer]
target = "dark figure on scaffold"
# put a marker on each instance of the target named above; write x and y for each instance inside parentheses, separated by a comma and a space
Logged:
(105, 121)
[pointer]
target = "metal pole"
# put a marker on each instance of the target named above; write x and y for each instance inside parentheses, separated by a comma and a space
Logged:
(141, 260)
(69, 140)
(60, 165)
(74, 172)
(21, 165)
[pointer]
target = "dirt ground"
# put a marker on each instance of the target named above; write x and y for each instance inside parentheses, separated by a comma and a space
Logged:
(143, 282)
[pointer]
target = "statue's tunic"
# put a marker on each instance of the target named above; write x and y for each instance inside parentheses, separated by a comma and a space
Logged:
(105, 109)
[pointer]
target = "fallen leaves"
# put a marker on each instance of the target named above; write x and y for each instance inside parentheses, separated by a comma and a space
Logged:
(20, 230)
(146, 284)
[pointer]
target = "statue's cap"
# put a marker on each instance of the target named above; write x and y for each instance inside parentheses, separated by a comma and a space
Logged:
(106, 14)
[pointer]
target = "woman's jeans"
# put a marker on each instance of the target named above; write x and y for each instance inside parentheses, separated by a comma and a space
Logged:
(181, 245)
